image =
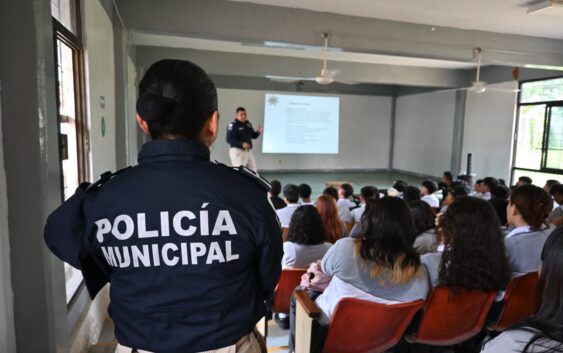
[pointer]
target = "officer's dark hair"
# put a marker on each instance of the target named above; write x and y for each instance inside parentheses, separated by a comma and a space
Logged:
(176, 97)
(411, 193)
(291, 193)
(275, 186)
(400, 185)
(305, 191)
(331, 191)
(306, 226)
(430, 185)
(241, 109)
(525, 179)
(369, 192)
(556, 189)
(348, 189)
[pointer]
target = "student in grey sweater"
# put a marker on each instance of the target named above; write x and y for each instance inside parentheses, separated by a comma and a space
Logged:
(305, 239)
(527, 210)
(424, 223)
(472, 253)
(543, 331)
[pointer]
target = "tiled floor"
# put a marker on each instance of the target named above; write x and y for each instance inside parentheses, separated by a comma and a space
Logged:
(276, 340)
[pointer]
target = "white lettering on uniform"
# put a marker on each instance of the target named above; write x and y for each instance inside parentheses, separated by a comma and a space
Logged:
(229, 251)
(144, 256)
(142, 226)
(109, 255)
(204, 220)
(177, 223)
(224, 222)
(104, 227)
(196, 250)
(129, 227)
(155, 255)
(215, 253)
(164, 224)
(184, 251)
(124, 261)
(165, 251)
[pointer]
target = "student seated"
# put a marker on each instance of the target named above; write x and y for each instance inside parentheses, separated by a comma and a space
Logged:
(345, 194)
(486, 186)
(471, 253)
(381, 266)
(556, 215)
(499, 200)
(452, 194)
(291, 198)
(275, 191)
(334, 227)
(427, 190)
(366, 193)
(343, 210)
(527, 211)
(305, 238)
(542, 332)
(477, 192)
(424, 223)
(524, 180)
(411, 193)
(305, 194)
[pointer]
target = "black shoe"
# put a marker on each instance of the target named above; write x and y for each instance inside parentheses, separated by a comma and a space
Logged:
(283, 323)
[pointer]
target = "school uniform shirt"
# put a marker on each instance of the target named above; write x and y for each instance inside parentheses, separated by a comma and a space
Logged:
(309, 203)
(344, 213)
(555, 213)
(356, 213)
(345, 202)
(486, 196)
(432, 263)
(524, 248)
(192, 249)
(352, 279)
(425, 242)
(431, 200)
(284, 214)
(512, 341)
(301, 256)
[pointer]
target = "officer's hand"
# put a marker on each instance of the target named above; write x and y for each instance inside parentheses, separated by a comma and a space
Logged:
(260, 129)
(246, 146)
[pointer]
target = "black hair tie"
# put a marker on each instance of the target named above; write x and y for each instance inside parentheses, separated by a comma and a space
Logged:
(153, 107)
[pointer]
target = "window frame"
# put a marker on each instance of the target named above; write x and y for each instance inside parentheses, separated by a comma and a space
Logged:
(545, 138)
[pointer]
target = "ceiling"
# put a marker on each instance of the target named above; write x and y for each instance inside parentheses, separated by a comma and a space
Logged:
(502, 16)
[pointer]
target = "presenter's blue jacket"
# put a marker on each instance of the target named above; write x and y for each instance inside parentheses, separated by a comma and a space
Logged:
(191, 248)
(239, 133)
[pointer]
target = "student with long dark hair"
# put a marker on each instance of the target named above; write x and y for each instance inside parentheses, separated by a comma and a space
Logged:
(527, 211)
(543, 331)
(471, 254)
(424, 223)
(305, 238)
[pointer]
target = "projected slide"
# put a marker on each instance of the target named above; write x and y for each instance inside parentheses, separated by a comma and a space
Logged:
(300, 124)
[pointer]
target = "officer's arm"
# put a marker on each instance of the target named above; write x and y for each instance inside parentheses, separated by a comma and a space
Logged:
(232, 137)
(270, 250)
(255, 134)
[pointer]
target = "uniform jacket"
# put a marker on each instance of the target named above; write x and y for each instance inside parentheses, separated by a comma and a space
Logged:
(191, 248)
(239, 133)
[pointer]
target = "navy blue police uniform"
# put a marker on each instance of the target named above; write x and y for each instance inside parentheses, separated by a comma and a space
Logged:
(239, 133)
(190, 261)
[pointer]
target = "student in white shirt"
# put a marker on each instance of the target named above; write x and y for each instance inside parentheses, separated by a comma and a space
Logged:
(486, 186)
(291, 198)
(528, 207)
(343, 210)
(477, 192)
(556, 214)
(345, 193)
(305, 194)
(542, 332)
(366, 193)
(453, 193)
(427, 190)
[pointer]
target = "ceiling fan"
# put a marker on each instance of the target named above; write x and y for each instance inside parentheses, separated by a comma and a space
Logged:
(325, 77)
(479, 86)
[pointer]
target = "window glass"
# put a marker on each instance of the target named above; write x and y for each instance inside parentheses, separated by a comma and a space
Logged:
(542, 91)
(538, 178)
(65, 11)
(530, 136)
(554, 158)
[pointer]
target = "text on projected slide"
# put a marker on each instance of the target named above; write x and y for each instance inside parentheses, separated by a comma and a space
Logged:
(300, 124)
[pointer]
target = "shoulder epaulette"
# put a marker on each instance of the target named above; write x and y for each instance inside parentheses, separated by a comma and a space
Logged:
(104, 178)
(261, 181)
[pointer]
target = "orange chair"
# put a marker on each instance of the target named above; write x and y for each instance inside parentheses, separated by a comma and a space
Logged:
(520, 302)
(450, 319)
(290, 278)
(357, 326)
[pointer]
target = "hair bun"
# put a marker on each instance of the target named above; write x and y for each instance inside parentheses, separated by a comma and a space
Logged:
(153, 107)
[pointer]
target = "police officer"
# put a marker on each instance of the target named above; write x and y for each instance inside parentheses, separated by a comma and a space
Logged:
(192, 249)
(239, 135)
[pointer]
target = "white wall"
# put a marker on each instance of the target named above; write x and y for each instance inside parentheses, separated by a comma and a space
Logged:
(424, 132)
(364, 133)
(100, 76)
(489, 121)
(7, 331)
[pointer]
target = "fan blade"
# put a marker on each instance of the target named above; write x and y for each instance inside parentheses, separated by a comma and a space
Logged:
(503, 90)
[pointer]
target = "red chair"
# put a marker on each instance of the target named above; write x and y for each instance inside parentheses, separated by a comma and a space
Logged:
(290, 278)
(357, 326)
(520, 302)
(450, 319)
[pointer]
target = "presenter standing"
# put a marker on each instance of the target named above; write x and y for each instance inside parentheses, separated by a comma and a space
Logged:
(239, 135)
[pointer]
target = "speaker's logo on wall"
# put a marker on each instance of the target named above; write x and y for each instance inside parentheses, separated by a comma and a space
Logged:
(273, 100)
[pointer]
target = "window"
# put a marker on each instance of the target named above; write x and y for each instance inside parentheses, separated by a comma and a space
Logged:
(73, 133)
(539, 138)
